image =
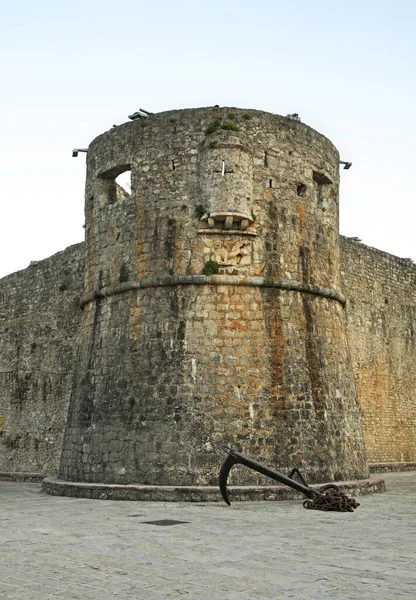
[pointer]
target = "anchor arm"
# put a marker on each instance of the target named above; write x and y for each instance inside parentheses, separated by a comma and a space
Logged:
(295, 471)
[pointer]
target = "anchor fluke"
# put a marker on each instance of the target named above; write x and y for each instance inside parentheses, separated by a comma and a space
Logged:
(228, 464)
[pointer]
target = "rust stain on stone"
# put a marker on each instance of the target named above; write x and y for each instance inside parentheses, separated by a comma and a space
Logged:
(302, 222)
(134, 317)
(277, 339)
(90, 249)
(140, 242)
(313, 355)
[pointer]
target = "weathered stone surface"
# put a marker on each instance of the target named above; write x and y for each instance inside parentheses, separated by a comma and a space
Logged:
(164, 363)
(381, 325)
(165, 374)
(40, 319)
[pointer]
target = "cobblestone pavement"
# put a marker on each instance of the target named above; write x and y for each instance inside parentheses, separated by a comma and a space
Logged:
(62, 548)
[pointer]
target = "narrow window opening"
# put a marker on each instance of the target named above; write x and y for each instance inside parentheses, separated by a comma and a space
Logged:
(173, 165)
(114, 185)
(124, 181)
(270, 183)
(224, 169)
(266, 159)
(301, 190)
(320, 178)
(123, 273)
(322, 187)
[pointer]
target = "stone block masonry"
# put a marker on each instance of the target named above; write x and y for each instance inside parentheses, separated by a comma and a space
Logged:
(212, 303)
(40, 320)
(381, 326)
(173, 362)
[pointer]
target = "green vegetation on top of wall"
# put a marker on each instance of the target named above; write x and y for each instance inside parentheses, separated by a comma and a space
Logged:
(213, 127)
(230, 127)
(218, 124)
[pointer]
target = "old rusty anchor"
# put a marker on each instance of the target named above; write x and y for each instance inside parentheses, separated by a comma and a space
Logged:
(328, 497)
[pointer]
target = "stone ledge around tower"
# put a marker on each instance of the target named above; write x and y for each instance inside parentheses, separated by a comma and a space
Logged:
(196, 493)
(174, 280)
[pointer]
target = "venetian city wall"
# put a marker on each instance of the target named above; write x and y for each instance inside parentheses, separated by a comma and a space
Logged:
(381, 325)
(161, 366)
(40, 322)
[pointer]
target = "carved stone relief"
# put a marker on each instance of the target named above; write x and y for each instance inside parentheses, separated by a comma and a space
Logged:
(228, 253)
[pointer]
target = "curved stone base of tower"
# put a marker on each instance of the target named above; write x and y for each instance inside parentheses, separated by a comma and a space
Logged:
(211, 310)
(197, 493)
(201, 366)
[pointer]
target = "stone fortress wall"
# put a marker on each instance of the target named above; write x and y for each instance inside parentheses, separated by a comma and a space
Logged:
(177, 360)
(40, 321)
(381, 321)
(174, 363)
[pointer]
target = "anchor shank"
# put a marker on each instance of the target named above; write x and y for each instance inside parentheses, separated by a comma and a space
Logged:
(253, 464)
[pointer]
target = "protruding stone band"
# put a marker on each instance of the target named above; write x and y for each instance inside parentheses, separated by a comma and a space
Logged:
(173, 280)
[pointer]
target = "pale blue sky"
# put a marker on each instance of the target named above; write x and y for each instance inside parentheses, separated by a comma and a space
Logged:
(71, 70)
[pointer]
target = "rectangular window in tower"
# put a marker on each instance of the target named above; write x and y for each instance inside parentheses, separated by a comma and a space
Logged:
(323, 186)
(124, 181)
(114, 185)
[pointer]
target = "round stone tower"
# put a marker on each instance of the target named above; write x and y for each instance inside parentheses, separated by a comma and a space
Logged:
(212, 310)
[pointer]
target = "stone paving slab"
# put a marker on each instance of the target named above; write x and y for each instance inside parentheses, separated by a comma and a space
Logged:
(56, 548)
